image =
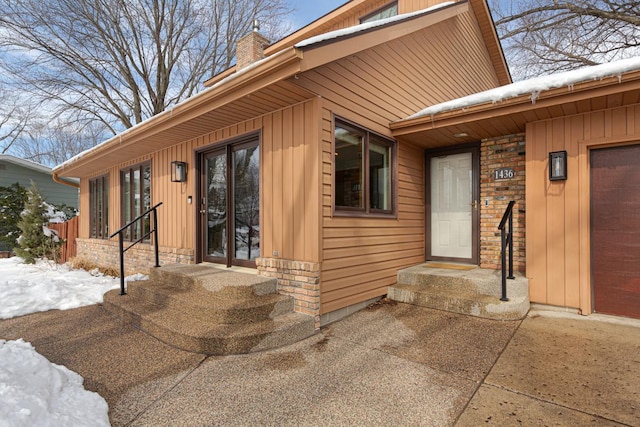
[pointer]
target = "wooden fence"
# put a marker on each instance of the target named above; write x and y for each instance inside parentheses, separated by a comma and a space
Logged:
(69, 232)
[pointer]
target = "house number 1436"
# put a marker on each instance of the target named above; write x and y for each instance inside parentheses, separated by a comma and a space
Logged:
(504, 173)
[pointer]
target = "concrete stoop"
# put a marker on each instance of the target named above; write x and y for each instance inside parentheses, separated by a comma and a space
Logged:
(475, 292)
(212, 311)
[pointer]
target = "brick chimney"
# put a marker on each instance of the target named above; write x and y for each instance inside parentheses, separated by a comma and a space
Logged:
(250, 48)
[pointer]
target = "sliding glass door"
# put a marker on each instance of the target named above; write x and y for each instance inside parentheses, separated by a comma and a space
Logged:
(230, 204)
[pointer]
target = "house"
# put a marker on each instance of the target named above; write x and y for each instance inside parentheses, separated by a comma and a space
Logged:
(16, 170)
(314, 161)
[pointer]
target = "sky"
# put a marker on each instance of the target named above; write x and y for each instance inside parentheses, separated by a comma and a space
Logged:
(307, 11)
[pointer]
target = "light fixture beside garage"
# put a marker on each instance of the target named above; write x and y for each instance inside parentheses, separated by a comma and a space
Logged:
(178, 171)
(557, 165)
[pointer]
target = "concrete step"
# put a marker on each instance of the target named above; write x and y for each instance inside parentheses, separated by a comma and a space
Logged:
(475, 292)
(226, 284)
(209, 306)
(212, 311)
(184, 331)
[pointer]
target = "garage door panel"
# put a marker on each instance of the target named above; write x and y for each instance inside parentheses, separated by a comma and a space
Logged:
(615, 230)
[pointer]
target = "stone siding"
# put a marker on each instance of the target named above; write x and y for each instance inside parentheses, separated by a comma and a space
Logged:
(495, 194)
(299, 279)
(139, 259)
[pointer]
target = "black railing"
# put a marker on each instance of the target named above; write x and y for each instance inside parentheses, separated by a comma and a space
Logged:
(122, 249)
(507, 245)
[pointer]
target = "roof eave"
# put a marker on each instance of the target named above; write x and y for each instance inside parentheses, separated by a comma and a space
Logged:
(491, 40)
(229, 89)
(495, 110)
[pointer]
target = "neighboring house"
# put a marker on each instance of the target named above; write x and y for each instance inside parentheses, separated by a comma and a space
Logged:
(16, 170)
(317, 164)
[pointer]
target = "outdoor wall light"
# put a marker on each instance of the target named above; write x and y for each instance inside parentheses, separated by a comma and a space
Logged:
(557, 165)
(178, 171)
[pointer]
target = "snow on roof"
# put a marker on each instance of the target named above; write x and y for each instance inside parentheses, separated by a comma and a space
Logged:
(366, 26)
(535, 86)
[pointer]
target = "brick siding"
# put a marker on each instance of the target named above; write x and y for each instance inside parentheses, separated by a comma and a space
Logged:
(299, 279)
(504, 152)
(139, 259)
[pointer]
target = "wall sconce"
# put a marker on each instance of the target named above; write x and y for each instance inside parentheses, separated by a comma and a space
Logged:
(178, 171)
(557, 165)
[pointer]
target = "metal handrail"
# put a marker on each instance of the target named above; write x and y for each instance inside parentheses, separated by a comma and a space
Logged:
(122, 249)
(506, 243)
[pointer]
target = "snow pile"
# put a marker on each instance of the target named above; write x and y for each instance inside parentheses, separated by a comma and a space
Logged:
(43, 286)
(535, 86)
(35, 392)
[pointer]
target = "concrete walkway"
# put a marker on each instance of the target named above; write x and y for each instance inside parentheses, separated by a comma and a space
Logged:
(391, 364)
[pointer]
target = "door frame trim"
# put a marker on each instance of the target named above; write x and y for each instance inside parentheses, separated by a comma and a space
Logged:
(198, 153)
(474, 149)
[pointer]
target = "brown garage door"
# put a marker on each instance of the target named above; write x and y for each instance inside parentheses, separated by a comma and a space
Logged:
(615, 230)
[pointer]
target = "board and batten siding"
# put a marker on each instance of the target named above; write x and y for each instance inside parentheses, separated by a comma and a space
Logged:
(290, 184)
(361, 256)
(558, 213)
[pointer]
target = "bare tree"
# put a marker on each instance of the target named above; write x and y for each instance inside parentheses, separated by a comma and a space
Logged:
(14, 117)
(551, 35)
(51, 142)
(120, 62)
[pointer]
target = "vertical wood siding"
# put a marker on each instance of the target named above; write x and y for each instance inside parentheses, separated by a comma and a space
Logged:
(290, 184)
(558, 224)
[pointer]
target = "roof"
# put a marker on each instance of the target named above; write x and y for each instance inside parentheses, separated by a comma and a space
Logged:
(318, 30)
(356, 29)
(25, 163)
(260, 88)
(34, 166)
(506, 109)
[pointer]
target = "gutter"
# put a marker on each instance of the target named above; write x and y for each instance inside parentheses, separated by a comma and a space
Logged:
(62, 181)
(230, 87)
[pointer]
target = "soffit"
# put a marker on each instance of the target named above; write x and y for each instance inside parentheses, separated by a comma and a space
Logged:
(490, 120)
(204, 120)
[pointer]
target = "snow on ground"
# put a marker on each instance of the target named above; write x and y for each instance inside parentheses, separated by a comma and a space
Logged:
(34, 391)
(43, 286)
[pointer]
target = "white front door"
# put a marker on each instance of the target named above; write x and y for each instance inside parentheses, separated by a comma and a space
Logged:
(452, 206)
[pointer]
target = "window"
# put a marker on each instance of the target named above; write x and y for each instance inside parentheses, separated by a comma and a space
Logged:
(99, 207)
(363, 171)
(384, 12)
(135, 185)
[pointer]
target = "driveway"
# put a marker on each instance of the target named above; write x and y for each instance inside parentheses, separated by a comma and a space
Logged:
(391, 364)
